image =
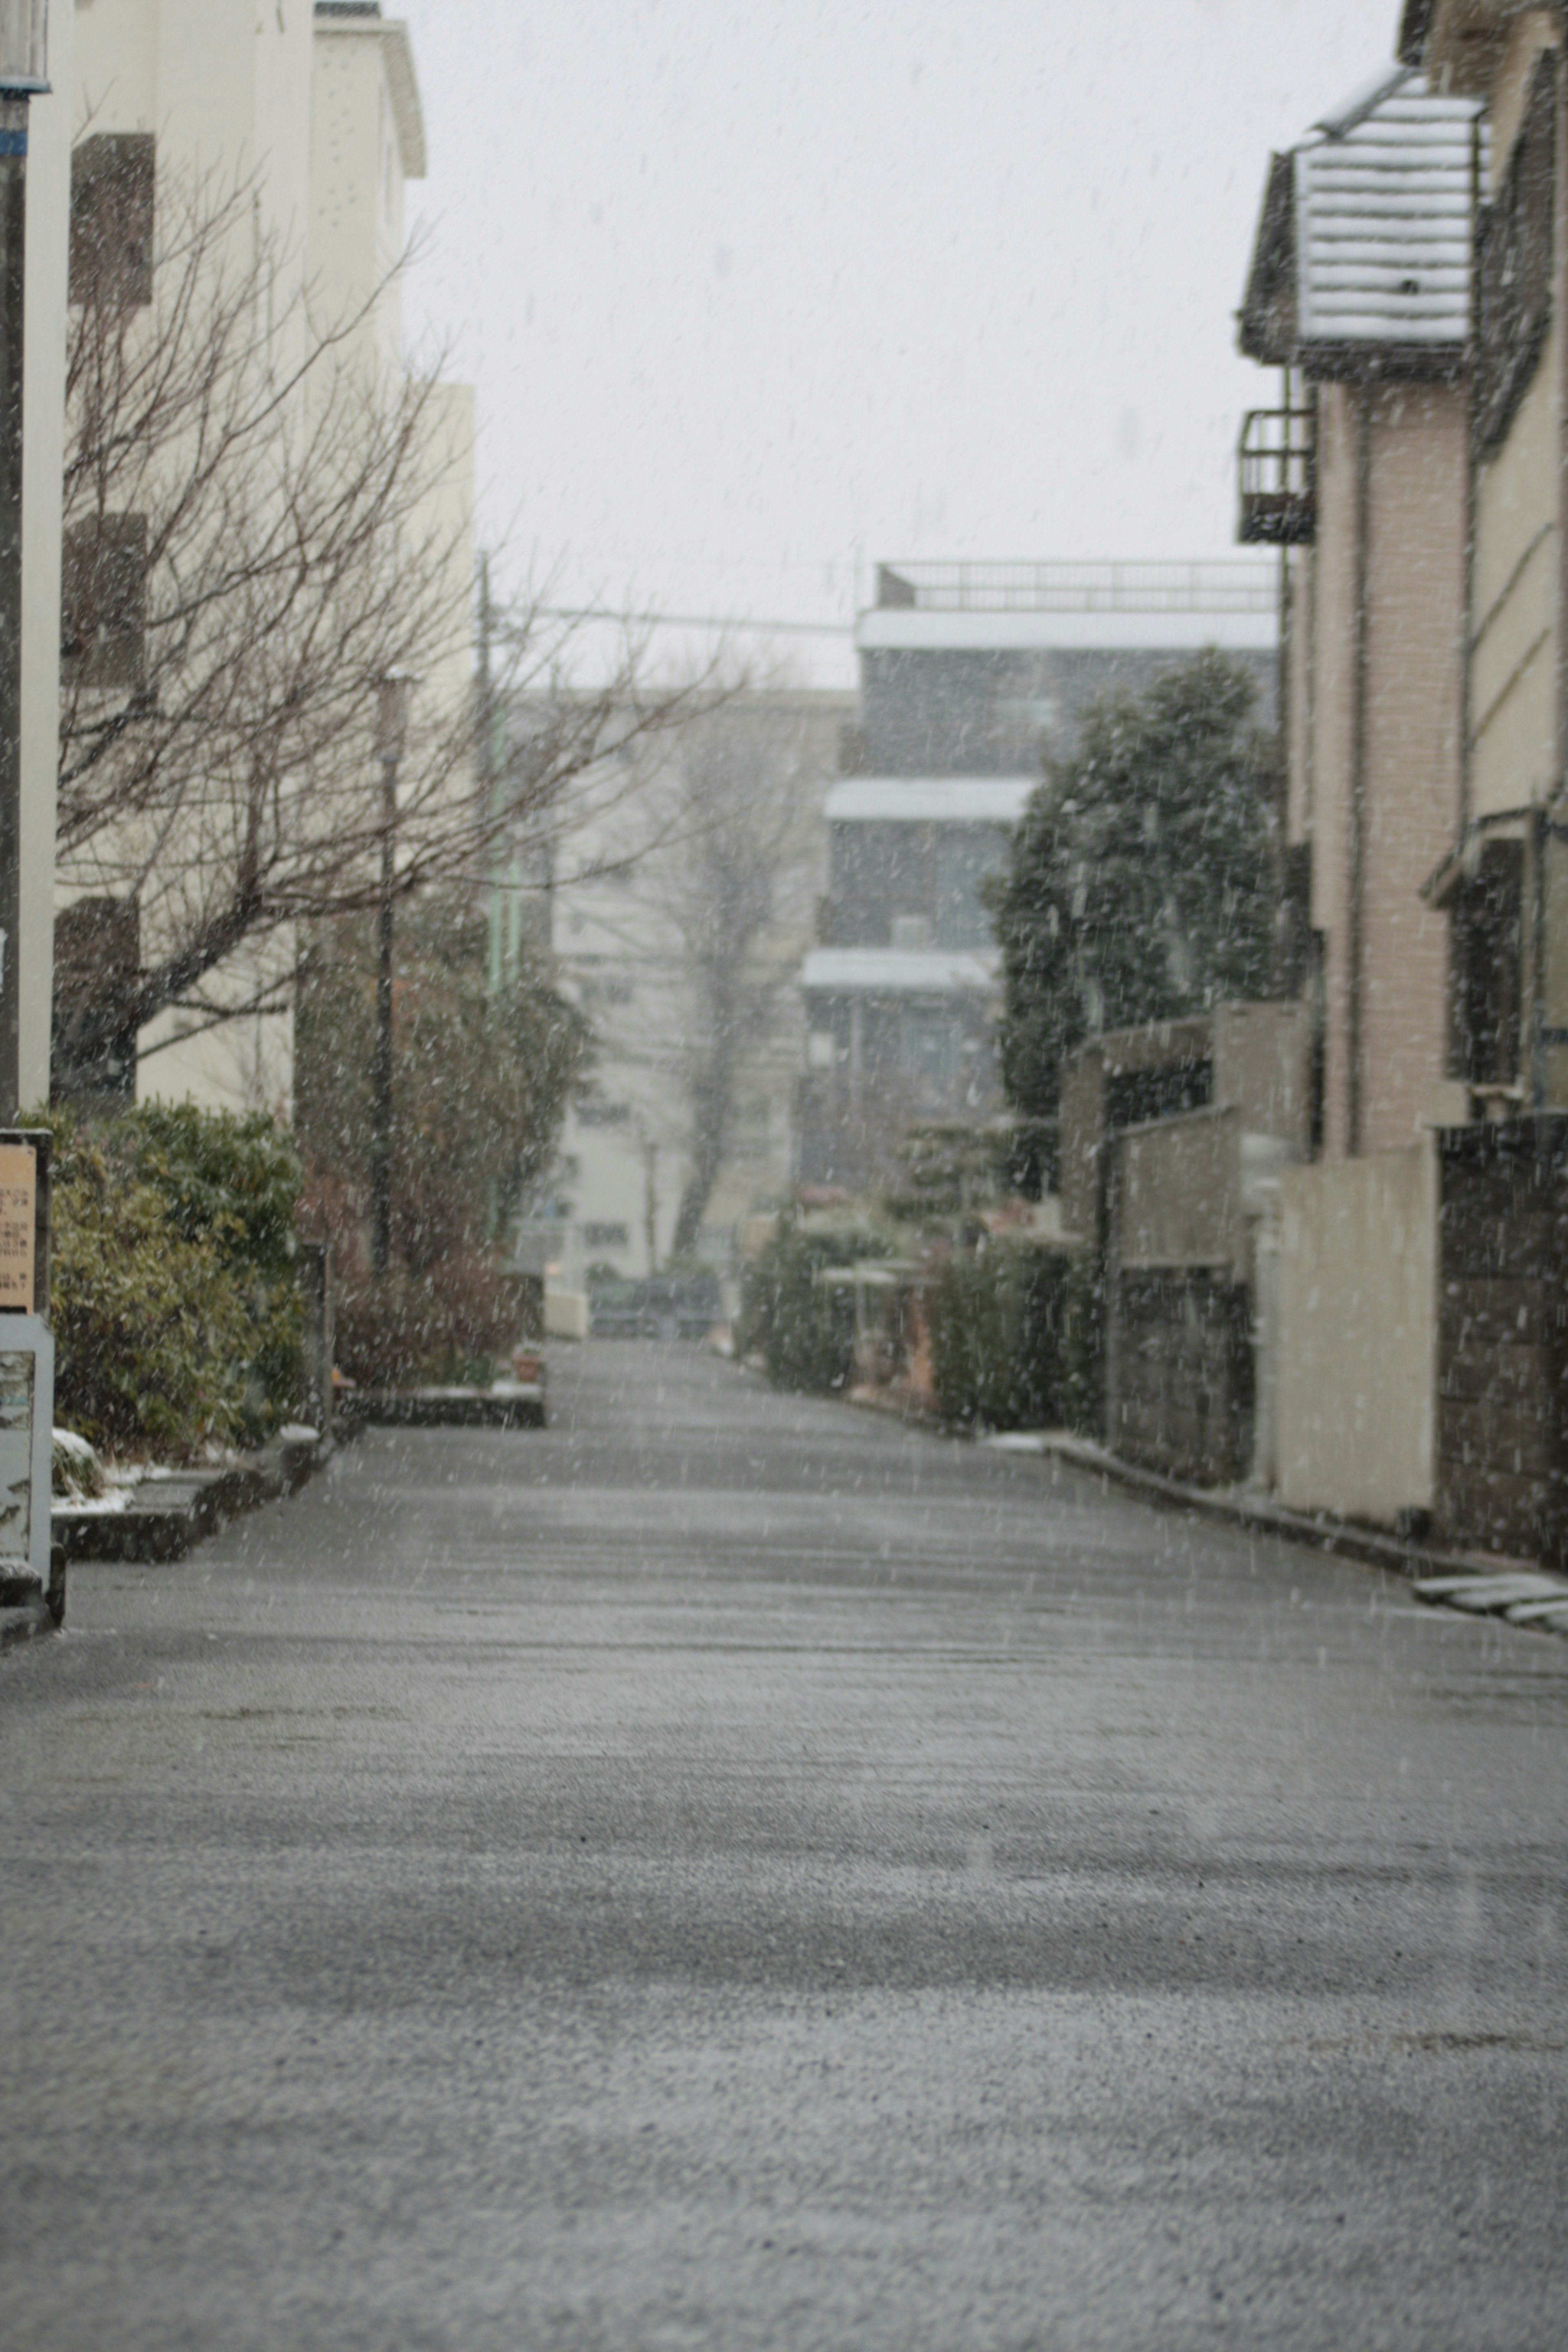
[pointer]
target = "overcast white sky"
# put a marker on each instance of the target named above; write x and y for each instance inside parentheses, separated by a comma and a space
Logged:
(749, 288)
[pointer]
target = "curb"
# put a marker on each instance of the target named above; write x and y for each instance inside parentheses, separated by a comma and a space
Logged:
(166, 1517)
(1227, 1506)
(505, 1404)
(27, 1622)
(1340, 1538)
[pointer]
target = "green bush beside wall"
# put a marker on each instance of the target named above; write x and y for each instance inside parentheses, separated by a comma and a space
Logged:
(1012, 1330)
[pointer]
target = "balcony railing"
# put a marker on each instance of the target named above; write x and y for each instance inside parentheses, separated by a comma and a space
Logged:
(1278, 465)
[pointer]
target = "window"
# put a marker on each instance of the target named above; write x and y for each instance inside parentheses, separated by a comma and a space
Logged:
(603, 1114)
(606, 1236)
(112, 219)
(103, 601)
(1513, 264)
(605, 988)
(1487, 937)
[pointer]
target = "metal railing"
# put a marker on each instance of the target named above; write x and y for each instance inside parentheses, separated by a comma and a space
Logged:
(1227, 585)
(1277, 461)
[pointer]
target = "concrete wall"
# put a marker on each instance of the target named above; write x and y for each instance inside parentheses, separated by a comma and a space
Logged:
(1177, 1185)
(1358, 1303)
(1262, 1068)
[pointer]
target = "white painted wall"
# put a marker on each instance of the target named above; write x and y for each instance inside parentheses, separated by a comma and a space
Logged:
(326, 115)
(1358, 1335)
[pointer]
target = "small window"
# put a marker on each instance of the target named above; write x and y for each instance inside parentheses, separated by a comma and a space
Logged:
(103, 601)
(1513, 262)
(603, 1114)
(606, 1236)
(1488, 941)
(113, 179)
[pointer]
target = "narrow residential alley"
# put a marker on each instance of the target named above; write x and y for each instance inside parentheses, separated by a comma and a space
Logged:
(729, 1871)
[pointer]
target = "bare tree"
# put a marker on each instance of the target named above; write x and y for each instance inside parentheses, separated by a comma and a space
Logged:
(256, 538)
(737, 892)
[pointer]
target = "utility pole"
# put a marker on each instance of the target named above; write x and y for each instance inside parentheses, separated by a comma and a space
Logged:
(488, 778)
(391, 729)
(23, 73)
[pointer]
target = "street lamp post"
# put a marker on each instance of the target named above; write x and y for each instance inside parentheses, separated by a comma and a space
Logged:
(23, 61)
(391, 731)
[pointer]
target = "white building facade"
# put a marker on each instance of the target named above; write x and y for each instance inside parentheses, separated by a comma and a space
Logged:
(316, 114)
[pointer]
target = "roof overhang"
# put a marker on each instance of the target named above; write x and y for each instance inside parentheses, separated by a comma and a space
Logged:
(1463, 863)
(1348, 361)
(402, 81)
(1267, 314)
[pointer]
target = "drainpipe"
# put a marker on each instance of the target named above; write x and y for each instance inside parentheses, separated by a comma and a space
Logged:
(1355, 943)
(1549, 830)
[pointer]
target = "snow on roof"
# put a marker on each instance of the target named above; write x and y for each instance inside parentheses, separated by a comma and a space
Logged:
(1382, 219)
(900, 972)
(929, 800)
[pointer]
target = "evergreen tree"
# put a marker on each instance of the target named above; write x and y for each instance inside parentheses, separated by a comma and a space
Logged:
(1141, 886)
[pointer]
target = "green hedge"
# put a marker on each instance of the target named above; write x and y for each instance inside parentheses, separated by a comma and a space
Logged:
(804, 1330)
(1013, 1332)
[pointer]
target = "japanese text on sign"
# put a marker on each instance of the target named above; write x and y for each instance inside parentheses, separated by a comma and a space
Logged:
(18, 1195)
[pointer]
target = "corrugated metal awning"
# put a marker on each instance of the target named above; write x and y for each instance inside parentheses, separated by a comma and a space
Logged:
(1383, 203)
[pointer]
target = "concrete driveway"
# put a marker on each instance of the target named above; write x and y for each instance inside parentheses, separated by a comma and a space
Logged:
(729, 1872)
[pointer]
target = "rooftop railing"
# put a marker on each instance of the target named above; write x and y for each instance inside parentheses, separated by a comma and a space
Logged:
(1234, 586)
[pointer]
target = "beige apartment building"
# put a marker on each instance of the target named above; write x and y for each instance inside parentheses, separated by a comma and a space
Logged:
(1359, 293)
(1506, 881)
(316, 114)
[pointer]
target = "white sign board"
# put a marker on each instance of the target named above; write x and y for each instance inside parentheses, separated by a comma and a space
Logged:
(26, 1446)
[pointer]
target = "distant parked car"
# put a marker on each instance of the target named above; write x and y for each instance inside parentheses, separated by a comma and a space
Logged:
(657, 1306)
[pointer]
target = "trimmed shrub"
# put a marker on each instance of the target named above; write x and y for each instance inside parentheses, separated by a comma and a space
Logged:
(1007, 1334)
(804, 1330)
(177, 1321)
(451, 1323)
(151, 1334)
(233, 1180)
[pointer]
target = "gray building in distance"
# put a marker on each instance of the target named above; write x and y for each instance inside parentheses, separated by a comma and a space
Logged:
(971, 676)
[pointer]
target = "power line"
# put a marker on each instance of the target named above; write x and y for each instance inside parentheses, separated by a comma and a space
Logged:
(696, 621)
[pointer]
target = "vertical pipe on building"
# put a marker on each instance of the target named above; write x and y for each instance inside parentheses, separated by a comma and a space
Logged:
(381, 1074)
(1282, 945)
(13, 256)
(1354, 926)
(1551, 818)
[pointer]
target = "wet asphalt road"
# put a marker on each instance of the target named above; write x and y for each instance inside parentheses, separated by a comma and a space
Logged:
(730, 1872)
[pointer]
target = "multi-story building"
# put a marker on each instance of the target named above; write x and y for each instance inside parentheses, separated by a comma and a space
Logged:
(1506, 883)
(972, 674)
(1359, 292)
(314, 116)
(696, 1012)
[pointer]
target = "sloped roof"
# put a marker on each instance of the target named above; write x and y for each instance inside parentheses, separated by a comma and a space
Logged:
(1365, 241)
